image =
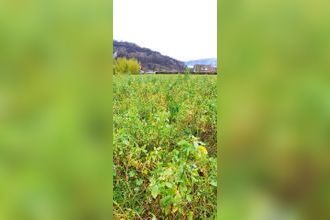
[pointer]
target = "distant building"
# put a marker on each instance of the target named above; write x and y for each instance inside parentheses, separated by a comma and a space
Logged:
(149, 72)
(145, 70)
(198, 68)
(115, 55)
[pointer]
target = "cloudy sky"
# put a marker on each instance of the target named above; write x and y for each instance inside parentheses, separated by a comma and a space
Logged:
(182, 29)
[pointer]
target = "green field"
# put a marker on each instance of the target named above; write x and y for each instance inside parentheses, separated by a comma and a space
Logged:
(165, 147)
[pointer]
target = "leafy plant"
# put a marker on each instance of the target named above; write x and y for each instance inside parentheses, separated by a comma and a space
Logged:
(183, 173)
(164, 147)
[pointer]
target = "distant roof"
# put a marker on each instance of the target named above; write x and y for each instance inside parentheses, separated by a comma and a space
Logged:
(115, 55)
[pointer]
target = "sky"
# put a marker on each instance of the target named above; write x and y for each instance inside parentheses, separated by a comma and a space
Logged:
(182, 29)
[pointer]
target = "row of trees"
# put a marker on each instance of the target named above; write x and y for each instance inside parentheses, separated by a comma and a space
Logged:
(123, 65)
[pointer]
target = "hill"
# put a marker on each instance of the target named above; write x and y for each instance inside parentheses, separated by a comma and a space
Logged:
(208, 61)
(150, 60)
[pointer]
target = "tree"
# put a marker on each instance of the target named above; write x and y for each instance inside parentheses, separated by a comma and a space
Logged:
(120, 66)
(133, 66)
(186, 70)
(126, 66)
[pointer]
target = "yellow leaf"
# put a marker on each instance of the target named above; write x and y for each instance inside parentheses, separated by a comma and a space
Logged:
(201, 149)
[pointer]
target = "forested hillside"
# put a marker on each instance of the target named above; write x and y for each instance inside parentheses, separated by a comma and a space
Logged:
(150, 60)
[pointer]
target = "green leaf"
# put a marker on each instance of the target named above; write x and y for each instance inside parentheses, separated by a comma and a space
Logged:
(190, 215)
(166, 201)
(132, 173)
(169, 185)
(183, 189)
(214, 183)
(183, 143)
(139, 182)
(154, 191)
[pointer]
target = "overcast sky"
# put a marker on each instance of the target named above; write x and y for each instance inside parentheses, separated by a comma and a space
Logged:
(182, 29)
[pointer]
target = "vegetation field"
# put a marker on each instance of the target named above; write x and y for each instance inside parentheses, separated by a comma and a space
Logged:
(165, 147)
